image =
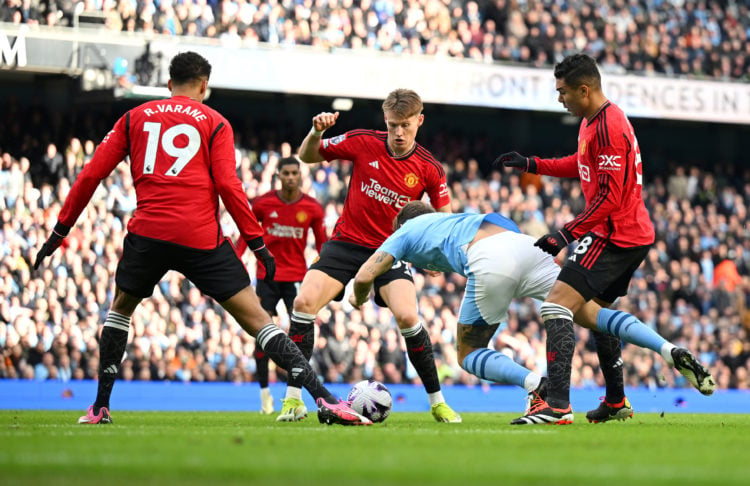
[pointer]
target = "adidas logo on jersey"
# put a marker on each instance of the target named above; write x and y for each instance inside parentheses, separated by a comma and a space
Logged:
(273, 215)
(374, 163)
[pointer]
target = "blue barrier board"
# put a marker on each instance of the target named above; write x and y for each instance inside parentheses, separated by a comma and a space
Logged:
(163, 396)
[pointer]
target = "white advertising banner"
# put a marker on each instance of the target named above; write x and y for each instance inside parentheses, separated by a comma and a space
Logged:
(371, 74)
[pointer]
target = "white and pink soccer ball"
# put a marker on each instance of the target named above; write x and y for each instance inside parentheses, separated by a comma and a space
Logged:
(371, 399)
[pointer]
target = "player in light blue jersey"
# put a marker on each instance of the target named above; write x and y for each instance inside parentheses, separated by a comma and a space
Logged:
(500, 264)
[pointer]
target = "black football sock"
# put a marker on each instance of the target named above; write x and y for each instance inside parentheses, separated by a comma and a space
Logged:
(287, 355)
(112, 345)
(261, 367)
(419, 349)
(558, 321)
(609, 350)
(302, 333)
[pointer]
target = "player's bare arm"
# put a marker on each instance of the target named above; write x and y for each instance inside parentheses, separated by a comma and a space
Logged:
(376, 265)
(309, 150)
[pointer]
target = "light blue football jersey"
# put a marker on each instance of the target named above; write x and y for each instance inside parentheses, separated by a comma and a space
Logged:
(438, 241)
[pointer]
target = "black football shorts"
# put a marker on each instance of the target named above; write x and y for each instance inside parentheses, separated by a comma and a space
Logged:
(341, 260)
(270, 294)
(218, 273)
(597, 268)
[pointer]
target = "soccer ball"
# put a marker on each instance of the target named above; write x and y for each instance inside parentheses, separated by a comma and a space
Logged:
(371, 399)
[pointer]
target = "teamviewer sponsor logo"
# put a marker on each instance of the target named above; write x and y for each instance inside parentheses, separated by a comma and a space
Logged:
(609, 162)
(381, 193)
(281, 231)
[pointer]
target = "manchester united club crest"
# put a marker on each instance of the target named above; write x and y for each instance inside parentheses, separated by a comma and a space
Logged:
(411, 179)
(301, 217)
(582, 150)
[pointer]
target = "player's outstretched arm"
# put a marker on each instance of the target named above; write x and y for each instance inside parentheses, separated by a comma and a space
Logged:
(376, 265)
(309, 150)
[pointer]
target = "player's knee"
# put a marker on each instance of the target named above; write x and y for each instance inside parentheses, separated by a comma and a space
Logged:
(303, 303)
(124, 303)
(406, 320)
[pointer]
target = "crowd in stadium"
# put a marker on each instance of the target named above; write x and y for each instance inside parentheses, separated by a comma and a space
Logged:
(694, 287)
(699, 39)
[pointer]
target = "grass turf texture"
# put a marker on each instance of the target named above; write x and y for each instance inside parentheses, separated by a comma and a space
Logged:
(192, 448)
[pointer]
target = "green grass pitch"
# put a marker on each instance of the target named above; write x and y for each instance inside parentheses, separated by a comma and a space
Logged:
(207, 448)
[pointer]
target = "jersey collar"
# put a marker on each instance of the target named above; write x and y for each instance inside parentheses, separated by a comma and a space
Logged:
(399, 157)
(278, 194)
(598, 112)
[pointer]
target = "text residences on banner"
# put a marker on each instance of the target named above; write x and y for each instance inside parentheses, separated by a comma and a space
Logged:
(370, 74)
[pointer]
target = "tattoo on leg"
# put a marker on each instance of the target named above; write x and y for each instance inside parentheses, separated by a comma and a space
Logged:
(475, 336)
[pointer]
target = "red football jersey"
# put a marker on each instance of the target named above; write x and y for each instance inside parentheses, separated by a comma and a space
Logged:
(286, 226)
(381, 184)
(608, 163)
(181, 160)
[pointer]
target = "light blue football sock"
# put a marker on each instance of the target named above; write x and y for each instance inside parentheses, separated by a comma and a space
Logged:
(629, 329)
(493, 366)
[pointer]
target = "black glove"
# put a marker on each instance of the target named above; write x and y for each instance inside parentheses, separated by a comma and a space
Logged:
(264, 256)
(53, 243)
(517, 161)
(553, 243)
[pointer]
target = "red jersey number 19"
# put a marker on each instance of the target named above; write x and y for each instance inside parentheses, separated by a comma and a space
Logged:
(182, 154)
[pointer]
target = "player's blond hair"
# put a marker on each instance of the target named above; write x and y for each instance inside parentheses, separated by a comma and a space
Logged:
(403, 102)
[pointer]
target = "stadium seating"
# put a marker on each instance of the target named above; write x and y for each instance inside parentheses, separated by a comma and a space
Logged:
(692, 39)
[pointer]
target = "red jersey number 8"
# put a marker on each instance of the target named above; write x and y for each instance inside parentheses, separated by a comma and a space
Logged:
(182, 154)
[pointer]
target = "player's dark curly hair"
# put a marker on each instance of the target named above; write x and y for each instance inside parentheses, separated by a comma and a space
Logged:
(412, 209)
(578, 69)
(187, 67)
(287, 161)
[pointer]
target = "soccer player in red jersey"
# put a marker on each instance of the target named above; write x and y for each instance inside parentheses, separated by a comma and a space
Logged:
(286, 215)
(181, 155)
(390, 169)
(614, 234)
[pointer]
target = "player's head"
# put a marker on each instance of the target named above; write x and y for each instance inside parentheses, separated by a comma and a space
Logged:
(402, 110)
(578, 84)
(289, 173)
(411, 210)
(189, 73)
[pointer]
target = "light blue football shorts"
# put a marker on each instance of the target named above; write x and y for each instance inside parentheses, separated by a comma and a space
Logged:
(500, 268)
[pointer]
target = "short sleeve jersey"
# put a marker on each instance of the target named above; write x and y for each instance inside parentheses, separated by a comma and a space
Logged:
(286, 226)
(438, 241)
(181, 160)
(381, 184)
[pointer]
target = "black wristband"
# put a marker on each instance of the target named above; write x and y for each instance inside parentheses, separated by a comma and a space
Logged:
(61, 229)
(531, 167)
(256, 243)
(567, 235)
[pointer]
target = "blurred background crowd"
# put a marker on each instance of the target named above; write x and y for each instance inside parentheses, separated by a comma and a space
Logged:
(693, 288)
(698, 39)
